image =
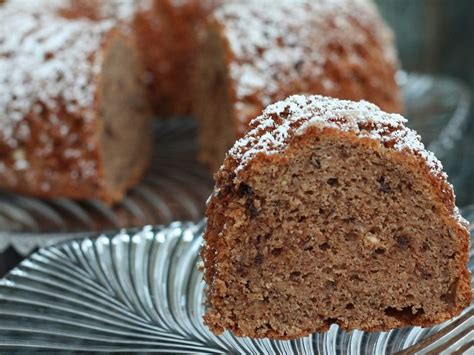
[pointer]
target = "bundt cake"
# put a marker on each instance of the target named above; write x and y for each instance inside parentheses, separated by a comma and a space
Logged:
(74, 119)
(332, 212)
(221, 60)
(254, 54)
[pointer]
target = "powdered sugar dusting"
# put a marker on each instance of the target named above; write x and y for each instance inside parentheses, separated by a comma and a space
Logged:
(287, 40)
(274, 129)
(119, 10)
(45, 60)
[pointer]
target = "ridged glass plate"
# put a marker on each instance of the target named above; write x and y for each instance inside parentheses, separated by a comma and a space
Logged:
(177, 186)
(142, 291)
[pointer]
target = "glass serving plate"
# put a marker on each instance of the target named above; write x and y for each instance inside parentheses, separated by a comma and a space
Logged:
(176, 186)
(141, 290)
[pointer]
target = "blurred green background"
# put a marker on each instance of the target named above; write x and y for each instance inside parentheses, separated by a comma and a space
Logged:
(437, 36)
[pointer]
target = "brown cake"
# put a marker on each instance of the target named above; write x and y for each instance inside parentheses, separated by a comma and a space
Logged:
(251, 56)
(71, 94)
(332, 212)
(254, 54)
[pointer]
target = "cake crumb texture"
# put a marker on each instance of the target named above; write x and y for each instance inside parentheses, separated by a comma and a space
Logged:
(332, 212)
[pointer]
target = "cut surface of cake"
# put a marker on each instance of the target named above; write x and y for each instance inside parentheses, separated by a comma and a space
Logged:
(332, 212)
(74, 119)
(254, 54)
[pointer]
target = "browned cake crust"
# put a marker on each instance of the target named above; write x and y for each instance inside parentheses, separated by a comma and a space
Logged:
(332, 211)
(72, 89)
(256, 54)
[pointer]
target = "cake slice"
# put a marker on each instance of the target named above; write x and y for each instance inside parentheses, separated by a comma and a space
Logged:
(332, 212)
(74, 119)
